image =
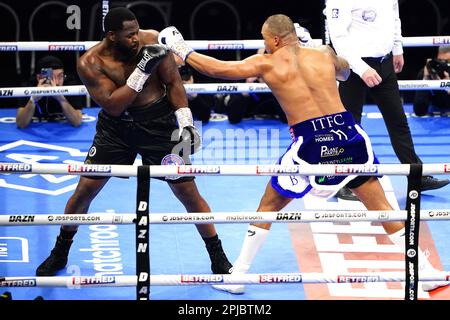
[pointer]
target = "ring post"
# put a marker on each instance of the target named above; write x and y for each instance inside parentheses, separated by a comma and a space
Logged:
(142, 234)
(412, 231)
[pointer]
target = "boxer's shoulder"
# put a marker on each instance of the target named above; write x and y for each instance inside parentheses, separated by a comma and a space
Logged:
(148, 36)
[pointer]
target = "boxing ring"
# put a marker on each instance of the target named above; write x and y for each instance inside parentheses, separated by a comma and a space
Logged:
(141, 219)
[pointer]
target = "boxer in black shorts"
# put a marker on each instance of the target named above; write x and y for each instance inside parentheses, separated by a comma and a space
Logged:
(137, 84)
(119, 139)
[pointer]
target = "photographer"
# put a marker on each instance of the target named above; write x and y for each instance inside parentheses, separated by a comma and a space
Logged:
(435, 69)
(54, 108)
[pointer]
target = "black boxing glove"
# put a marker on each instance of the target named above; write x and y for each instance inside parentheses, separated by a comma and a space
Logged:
(149, 57)
(189, 135)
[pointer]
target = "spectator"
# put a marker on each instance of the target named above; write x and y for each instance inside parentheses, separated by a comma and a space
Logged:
(368, 35)
(436, 69)
(200, 104)
(51, 108)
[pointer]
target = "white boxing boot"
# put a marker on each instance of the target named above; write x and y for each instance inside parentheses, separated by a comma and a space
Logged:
(238, 268)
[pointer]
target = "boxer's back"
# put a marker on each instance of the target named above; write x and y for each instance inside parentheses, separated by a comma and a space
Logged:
(304, 82)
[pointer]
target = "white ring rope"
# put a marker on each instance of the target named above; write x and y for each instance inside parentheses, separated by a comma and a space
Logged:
(222, 170)
(195, 44)
(221, 217)
(201, 88)
(218, 279)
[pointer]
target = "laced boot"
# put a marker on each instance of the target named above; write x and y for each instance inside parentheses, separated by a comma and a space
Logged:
(57, 259)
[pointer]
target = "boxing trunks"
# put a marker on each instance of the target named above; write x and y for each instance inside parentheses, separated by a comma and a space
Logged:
(330, 139)
(145, 130)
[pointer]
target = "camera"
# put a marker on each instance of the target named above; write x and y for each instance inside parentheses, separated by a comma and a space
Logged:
(438, 67)
(47, 74)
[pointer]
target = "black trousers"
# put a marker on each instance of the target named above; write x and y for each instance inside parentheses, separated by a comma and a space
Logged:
(387, 96)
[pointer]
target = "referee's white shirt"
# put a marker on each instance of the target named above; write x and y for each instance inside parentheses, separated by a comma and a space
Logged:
(364, 28)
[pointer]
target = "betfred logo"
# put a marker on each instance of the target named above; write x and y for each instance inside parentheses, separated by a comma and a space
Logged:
(15, 167)
(357, 279)
(89, 168)
(83, 281)
(356, 169)
(441, 40)
(287, 278)
(68, 47)
(25, 282)
(225, 46)
(199, 169)
(446, 167)
(201, 279)
(274, 169)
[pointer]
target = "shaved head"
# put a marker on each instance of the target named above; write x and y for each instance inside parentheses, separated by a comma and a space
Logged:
(280, 25)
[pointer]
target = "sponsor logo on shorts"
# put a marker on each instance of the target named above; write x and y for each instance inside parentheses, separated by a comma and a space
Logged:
(83, 281)
(6, 93)
(8, 47)
(18, 282)
(356, 169)
(273, 278)
(271, 169)
(341, 134)
(92, 151)
(357, 279)
(330, 152)
(199, 169)
(289, 216)
(323, 137)
(89, 168)
(15, 167)
(226, 46)
(68, 47)
(201, 279)
(327, 122)
(172, 159)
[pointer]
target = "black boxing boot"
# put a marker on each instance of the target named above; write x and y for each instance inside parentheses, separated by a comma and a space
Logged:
(219, 261)
(57, 259)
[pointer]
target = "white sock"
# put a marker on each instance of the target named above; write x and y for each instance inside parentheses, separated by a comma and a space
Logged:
(398, 238)
(252, 243)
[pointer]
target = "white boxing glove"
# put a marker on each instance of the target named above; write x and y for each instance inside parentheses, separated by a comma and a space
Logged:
(173, 39)
(303, 36)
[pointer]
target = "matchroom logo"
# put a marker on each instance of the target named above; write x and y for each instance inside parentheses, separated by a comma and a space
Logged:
(14, 249)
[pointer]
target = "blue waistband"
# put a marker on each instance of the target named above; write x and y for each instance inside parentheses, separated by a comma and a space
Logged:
(322, 124)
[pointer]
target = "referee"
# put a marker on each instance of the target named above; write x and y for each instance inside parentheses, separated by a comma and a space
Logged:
(368, 34)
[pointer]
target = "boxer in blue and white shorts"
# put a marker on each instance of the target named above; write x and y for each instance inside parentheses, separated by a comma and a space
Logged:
(304, 82)
(330, 139)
